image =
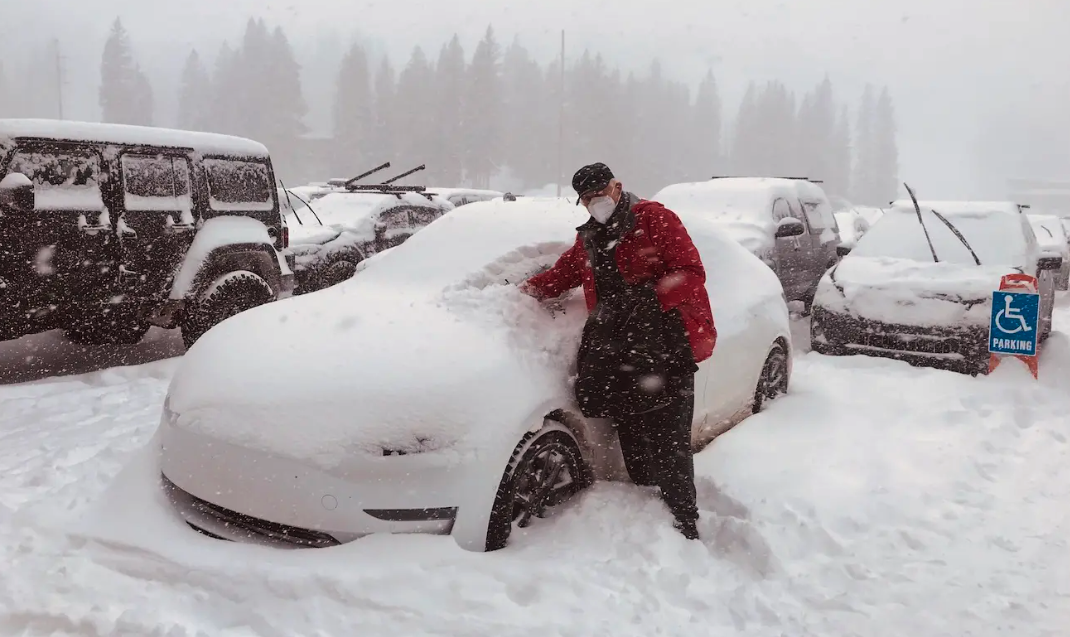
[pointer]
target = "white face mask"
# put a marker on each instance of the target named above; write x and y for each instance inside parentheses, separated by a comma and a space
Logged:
(601, 208)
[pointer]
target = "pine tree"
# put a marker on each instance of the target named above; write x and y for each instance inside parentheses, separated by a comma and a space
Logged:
(744, 159)
(885, 151)
(123, 95)
(482, 141)
(282, 85)
(706, 131)
(415, 92)
(839, 179)
(225, 110)
(383, 132)
(446, 160)
(353, 114)
(194, 97)
(864, 165)
(525, 143)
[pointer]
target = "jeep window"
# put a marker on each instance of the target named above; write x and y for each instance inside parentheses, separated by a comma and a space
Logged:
(156, 182)
(239, 185)
(63, 180)
(424, 216)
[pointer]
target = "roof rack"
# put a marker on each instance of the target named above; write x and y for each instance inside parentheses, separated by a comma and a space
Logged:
(350, 182)
(813, 181)
(387, 186)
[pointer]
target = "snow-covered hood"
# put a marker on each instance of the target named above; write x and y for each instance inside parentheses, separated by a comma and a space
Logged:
(910, 292)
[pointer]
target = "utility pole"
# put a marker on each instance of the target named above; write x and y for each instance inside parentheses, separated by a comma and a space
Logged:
(59, 78)
(561, 115)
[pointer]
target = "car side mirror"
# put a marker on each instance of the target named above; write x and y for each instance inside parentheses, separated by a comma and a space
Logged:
(1049, 261)
(843, 250)
(17, 194)
(789, 227)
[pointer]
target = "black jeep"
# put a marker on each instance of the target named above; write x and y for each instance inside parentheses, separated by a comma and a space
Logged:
(106, 230)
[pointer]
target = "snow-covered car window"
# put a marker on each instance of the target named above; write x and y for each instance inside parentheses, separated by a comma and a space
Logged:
(781, 210)
(998, 238)
(63, 180)
(424, 216)
(158, 182)
(819, 215)
(394, 219)
(239, 185)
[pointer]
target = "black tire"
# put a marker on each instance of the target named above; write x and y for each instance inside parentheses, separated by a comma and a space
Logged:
(230, 294)
(336, 273)
(531, 461)
(113, 328)
(773, 381)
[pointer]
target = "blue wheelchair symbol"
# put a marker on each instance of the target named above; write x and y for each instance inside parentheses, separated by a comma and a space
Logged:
(1015, 322)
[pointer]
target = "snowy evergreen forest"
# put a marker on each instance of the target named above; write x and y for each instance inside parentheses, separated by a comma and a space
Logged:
(492, 116)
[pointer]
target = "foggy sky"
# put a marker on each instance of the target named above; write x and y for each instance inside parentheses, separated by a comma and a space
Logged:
(981, 87)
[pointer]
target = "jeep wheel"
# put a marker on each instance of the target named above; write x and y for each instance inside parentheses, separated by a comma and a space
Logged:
(229, 295)
(108, 330)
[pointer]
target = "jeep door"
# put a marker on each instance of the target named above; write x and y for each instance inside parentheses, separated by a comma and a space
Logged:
(794, 255)
(65, 252)
(157, 223)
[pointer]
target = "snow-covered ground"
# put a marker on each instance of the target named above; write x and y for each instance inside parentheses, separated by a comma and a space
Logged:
(876, 499)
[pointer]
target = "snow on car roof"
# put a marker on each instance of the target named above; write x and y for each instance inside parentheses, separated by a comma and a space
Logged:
(209, 143)
(731, 199)
(961, 207)
(356, 212)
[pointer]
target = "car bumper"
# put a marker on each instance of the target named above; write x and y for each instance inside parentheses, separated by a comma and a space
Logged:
(955, 348)
(244, 495)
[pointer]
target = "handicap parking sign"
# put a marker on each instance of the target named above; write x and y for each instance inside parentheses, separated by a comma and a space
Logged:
(1015, 323)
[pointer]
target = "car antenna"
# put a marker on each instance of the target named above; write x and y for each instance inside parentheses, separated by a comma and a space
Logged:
(290, 203)
(354, 180)
(917, 209)
(307, 204)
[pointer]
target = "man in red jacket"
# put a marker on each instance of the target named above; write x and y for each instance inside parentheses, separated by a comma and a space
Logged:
(648, 245)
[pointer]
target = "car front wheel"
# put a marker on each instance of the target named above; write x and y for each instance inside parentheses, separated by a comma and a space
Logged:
(546, 469)
(773, 381)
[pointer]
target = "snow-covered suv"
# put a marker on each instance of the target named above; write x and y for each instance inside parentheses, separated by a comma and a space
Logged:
(106, 230)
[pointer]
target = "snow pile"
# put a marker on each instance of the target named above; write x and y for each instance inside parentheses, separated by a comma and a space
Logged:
(844, 509)
(357, 213)
(15, 180)
(1050, 234)
(851, 226)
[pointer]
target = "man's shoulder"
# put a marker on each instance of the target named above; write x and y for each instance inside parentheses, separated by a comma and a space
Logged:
(649, 211)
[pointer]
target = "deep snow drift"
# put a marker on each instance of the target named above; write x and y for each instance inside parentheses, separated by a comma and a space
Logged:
(876, 499)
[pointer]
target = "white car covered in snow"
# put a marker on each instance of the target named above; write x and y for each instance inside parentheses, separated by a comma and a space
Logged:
(1051, 235)
(889, 297)
(428, 394)
(787, 223)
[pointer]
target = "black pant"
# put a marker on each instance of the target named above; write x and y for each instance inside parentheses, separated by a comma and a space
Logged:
(657, 448)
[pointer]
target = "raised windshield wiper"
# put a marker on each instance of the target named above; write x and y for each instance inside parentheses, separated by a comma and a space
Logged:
(917, 209)
(952, 228)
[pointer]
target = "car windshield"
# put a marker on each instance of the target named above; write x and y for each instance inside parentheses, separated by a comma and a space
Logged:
(997, 238)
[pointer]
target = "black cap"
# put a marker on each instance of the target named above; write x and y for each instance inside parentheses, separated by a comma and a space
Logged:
(591, 178)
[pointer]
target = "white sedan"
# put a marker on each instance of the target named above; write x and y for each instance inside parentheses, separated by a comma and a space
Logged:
(428, 394)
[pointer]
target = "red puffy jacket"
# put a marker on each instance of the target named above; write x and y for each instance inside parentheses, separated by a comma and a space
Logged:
(657, 249)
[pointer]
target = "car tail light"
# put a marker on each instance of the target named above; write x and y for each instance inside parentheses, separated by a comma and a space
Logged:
(285, 237)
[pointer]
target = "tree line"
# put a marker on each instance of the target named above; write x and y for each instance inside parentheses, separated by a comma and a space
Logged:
(495, 117)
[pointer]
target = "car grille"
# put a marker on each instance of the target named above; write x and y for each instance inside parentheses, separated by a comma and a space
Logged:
(253, 528)
(852, 332)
